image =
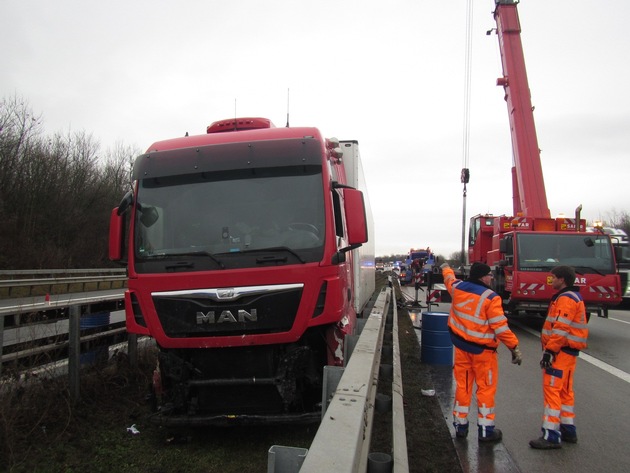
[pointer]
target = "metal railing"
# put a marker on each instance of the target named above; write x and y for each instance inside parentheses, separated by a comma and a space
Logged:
(45, 324)
(26, 283)
(342, 442)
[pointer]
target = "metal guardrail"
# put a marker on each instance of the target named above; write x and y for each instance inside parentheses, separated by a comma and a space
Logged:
(29, 273)
(342, 441)
(76, 305)
(25, 283)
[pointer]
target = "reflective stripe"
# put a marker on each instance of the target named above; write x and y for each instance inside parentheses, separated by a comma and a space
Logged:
(461, 409)
(501, 329)
(465, 302)
(551, 412)
(483, 422)
(567, 420)
(474, 333)
(567, 408)
(551, 425)
(475, 320)
(487, 293)
(579, 326)
(564, 319)
(498, 318)
(575, 338)
(486, 411)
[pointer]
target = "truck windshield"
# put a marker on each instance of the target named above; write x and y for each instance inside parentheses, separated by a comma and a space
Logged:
(214, 220)
(543, 251)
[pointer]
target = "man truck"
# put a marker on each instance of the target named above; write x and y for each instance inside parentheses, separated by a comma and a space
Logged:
(250, 256)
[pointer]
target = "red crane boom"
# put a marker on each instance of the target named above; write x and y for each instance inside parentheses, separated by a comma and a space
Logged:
(529, 196)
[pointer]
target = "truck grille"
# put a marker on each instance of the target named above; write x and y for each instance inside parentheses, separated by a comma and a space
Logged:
(228, 311)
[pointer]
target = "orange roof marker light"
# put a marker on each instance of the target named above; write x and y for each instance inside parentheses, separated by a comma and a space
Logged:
(236, 124)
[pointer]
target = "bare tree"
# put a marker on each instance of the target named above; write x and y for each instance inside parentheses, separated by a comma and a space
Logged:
(619, 219)
(56, 193)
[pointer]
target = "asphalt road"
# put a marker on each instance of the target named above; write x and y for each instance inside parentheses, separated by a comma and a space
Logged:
(602, 389)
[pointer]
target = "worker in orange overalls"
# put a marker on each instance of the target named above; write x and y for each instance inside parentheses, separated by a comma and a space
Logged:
(563, 335)
(477, 324)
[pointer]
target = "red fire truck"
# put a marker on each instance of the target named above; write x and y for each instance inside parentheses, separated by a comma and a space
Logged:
(522, 248)
(249, 261)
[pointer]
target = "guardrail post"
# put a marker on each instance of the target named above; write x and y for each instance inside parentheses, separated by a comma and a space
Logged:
(1, 340)
(285, 459)
(74, 351)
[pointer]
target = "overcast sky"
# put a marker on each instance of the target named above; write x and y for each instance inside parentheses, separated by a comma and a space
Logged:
(388, 74)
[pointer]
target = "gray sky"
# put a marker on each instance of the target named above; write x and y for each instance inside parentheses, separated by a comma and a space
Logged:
(388, 74)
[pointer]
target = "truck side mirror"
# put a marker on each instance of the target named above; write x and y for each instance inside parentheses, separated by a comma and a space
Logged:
(618, 253)
(505, 246)
(356, 220)
(116, 234)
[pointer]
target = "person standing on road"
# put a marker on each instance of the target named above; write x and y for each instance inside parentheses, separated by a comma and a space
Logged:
(563, 335)
(477, 323)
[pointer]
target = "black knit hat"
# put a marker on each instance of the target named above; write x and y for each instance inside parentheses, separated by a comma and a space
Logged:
(479, 270)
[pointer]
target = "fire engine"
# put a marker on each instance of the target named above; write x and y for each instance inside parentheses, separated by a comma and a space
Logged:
(523, 248)
(249, 262)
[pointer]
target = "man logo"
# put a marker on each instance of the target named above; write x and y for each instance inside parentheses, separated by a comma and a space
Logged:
(224, 294)
(226, 316)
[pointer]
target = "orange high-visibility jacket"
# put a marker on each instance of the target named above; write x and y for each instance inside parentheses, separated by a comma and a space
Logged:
(566, 323)
(477, 313)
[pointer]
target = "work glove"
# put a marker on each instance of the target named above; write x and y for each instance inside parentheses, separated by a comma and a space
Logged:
(444, 266)
(517, 356)
(547, 360)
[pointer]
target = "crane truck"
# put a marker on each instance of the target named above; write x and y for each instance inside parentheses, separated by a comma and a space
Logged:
(249, 262)
(522, 248)
(621, 243)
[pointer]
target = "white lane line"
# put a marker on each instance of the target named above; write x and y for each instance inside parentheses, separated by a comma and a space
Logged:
(622, 375)
(619, 320)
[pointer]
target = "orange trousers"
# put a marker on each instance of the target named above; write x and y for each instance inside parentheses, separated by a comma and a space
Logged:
(558, 395)
(482, 370)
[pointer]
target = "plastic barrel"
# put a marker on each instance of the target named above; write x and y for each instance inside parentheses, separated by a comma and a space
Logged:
(94, 320)
(436, 347)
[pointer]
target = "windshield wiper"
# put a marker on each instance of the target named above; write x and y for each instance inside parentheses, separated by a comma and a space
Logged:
(588, 268)
(199, 253)
(179, 266)
(273, 259)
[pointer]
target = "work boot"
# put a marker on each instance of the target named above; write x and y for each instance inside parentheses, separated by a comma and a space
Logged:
(544, 444)
(568, 434)
(493, 436)
(461, 431)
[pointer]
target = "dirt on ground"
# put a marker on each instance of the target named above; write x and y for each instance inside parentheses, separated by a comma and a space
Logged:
(429, 443)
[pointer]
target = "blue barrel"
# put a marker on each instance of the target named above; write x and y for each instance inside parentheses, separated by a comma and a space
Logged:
(436, 347)
(94, 320)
